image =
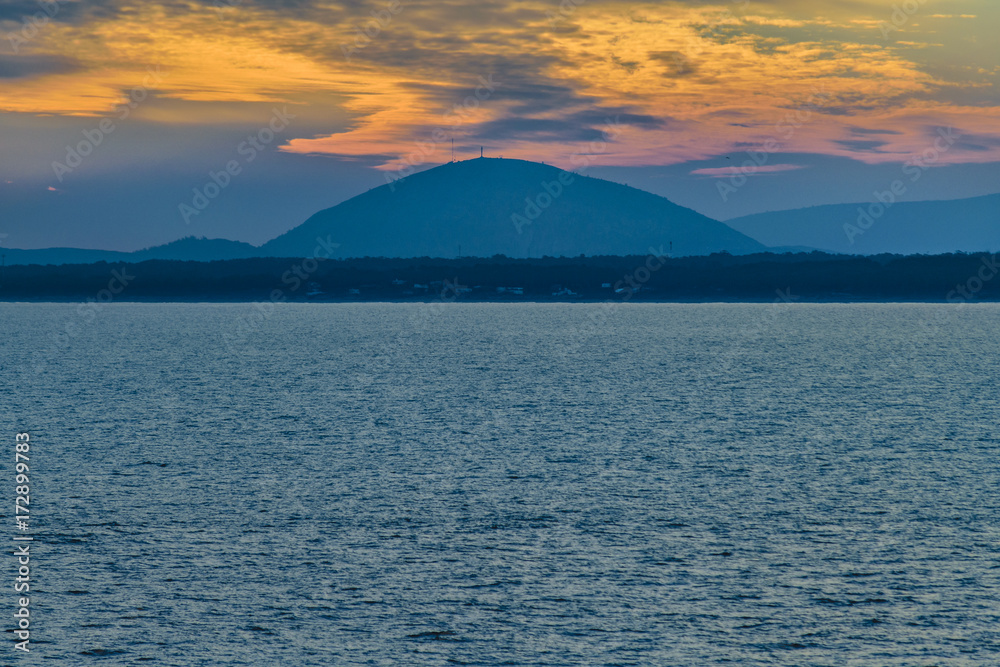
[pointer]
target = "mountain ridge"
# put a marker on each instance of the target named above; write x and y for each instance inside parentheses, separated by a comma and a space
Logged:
(920, 227)
(517, 208)
(478, 207)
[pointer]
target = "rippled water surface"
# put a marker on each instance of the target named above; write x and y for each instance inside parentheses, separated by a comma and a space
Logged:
(488, 484)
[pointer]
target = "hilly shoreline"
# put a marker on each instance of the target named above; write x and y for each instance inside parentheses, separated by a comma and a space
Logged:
(480, 207)
(492, 206)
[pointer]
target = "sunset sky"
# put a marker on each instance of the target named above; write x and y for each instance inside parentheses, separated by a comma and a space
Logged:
(832, 98)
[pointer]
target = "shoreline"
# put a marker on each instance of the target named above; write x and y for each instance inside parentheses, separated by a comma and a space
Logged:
(526, 301)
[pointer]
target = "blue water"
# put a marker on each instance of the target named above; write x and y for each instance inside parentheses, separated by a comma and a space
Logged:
(487, 484)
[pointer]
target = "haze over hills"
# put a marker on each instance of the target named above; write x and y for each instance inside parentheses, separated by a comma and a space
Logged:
(927, 227)
(491, 206)
(188, 249)
(479, 207)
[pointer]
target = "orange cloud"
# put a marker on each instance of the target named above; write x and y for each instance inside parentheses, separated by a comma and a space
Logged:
(689, 81)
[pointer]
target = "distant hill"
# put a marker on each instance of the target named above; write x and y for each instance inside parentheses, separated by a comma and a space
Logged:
(926, 227)
(190, 248)
(44, 256)
(481, 207)
(199, 250)
(489, 206)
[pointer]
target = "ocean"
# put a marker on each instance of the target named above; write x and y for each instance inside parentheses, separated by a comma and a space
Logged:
(506, 484)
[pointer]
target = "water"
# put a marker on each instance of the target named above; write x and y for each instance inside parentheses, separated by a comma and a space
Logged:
(486, 484)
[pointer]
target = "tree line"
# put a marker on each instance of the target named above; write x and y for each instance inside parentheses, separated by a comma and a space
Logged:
(719, 277)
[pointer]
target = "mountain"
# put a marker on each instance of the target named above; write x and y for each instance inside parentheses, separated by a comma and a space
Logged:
(490, 206)
(199, 250)
(189, 248)
(12, 256)
(927, 227)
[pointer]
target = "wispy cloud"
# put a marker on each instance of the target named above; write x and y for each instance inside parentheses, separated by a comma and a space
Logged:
(693, 80)
(726, 172)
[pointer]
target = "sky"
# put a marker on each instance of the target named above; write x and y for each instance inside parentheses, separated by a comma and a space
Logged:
(129, 124)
